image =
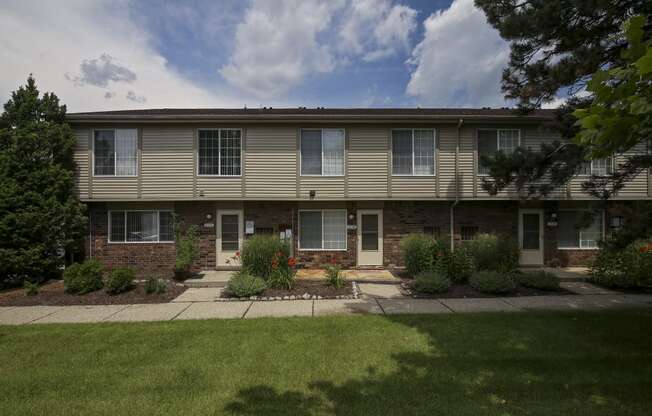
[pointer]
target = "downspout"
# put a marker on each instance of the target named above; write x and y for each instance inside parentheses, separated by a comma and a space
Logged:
(90, 235)
(457, 184)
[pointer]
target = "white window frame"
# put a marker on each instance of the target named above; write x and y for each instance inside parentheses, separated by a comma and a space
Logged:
(115, 153)
(603, 230)
(434, 154)
(590, 162)
(321, 129)
(477, 144)
(158, 226)
(219, 157)
(346, 239)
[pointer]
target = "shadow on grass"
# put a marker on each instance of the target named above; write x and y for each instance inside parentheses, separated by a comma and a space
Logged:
(573, 363)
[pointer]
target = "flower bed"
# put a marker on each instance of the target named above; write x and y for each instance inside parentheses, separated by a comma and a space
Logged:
(465, 290)
(303, 289)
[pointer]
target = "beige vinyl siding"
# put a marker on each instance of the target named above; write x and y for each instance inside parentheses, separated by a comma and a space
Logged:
(413, 187)
(216, 187)
(324, 187)
(109, 187)
(466, 161)
(638, 185)
(271, 162)
(167, 162)
(81, 158)
(368, 162)
(447, 139)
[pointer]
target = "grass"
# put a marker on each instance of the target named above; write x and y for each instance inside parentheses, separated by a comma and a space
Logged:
(489, 364)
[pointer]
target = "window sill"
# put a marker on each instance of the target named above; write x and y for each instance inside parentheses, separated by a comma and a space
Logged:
(219, 176)
(141, 242)
(322, 176)
(578, 248)
(114, 176)
(322, 249)
(413, 176)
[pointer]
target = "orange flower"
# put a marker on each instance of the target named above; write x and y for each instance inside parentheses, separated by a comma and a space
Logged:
(237, 254)
(292, 262)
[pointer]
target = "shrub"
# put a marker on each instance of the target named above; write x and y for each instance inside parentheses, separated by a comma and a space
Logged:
(489, 281)
(334, 276)
(282, 278)
(120, 280)
(155, 285)
(491, 252)
(262, 254)
(83, 278)
(244, 284)
(539, 280)
(31, 288)
(624, 268)
(419, 252)
(187, 252)
(460, 265)
(432, 282)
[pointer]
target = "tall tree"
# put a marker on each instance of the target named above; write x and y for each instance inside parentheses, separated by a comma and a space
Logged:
(40, 215)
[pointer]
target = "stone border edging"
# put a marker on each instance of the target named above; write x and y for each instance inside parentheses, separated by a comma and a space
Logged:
(306, 296)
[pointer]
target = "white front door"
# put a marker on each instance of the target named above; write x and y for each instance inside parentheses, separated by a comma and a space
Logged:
(530, 236)
(370, 237)
(230, 230)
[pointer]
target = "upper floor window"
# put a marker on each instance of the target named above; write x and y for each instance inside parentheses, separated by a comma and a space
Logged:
(220, 152)
(141, 226)
(115, 152)
(491, 141)
(598, 167)
(575, 230)
(413, 152)
(322, 152)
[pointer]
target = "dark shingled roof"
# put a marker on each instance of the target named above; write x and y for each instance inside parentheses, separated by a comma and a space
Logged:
(186, 114)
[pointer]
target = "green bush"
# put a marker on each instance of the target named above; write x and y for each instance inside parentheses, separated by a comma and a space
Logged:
(83, 278)
(282, 278)
(334, 276)
(460, 265)
(31, 288)
(262, 254)
(244, 284)
(187, 252)
(420, 252)
(539, 280)
(120, 280)
(489, 281)
(155, 285)
(630, 267)
(491, 252)
(432, 282)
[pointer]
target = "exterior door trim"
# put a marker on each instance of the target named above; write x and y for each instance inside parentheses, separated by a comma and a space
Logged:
(531, 257)
(223, 256)
(369, 258)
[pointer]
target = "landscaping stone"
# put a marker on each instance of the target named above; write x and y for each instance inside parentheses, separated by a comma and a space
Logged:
(280, 308)
(199, 294)
(78, 314)
(479, 305)
(152, 312)
(376, 290)
(214, 310)
(346, 307)
(26, 314)
(402, 306)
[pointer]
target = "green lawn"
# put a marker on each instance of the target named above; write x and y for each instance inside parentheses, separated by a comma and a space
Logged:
(502, 364)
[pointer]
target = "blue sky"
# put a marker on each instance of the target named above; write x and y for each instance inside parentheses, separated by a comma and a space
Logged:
(333, 53)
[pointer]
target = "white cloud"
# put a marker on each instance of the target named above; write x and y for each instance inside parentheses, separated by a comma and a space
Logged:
(281, 43)
(460, 60)
(52, 39)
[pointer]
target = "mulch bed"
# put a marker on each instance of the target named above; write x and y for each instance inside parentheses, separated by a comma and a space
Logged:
(52, 294)
(311, 287)
(466, 291)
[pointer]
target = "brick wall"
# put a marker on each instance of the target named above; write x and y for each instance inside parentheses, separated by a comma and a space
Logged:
(195, 213)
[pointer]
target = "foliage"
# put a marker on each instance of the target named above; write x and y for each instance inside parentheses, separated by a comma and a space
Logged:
(460, 265)
(154, 285)
(187, 249)
(82, 278)
(282, 278)
(637, 216)
(40, 214)
(31, 288)
(493, 282)
(624, 268)
(244, 284)
(420, 252)
(262, 254)
(539, 280)
(432, 282)
(120, 280)
(493, 252)
(334, 276)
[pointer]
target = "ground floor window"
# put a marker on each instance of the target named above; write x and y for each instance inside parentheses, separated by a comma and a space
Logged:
(468, 232)
(579, 229)
(323, 229)
(141, 226)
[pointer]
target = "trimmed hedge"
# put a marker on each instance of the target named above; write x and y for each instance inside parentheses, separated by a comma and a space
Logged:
(244, 284)
(539, 280)
(120, 280)
(432, 282)
(83, 278)
(492, 282)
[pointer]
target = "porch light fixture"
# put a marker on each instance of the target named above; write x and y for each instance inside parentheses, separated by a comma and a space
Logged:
(351, 217)
(616, 222)
(209, 216)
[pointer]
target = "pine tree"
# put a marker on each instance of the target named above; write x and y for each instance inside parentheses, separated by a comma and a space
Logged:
(40, 214)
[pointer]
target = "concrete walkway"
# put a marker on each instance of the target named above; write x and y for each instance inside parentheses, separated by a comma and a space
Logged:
(367, 305)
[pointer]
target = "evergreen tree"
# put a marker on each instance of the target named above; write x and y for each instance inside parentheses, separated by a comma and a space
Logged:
(40, 215)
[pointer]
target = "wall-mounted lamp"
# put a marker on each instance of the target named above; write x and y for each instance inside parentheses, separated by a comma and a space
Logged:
(616, 222)
(313, 193)
(209, 216)
(351, 217)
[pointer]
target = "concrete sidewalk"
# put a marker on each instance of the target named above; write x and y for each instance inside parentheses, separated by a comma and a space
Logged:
(20, 315)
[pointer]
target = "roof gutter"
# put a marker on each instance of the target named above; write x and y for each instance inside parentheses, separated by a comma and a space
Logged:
(457, 184)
